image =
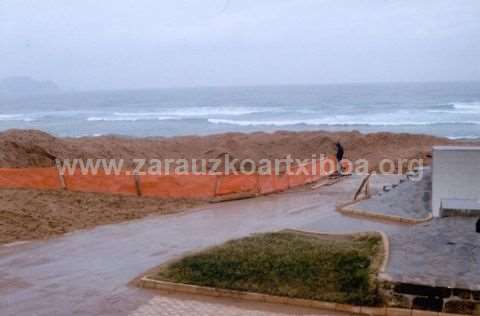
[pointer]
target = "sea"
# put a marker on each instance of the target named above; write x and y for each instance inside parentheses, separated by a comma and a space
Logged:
(444, 109)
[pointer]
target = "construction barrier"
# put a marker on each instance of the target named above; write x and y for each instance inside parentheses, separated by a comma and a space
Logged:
(101, 183)
(317, 171)
(281, 182)
(31, 178)
(178, 186)
(240, 183)
(266, 184)
(172, 186)
(299, 177)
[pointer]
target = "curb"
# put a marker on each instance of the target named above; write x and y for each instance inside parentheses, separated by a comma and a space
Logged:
(148, 283)
(386, 255)
(348, 210)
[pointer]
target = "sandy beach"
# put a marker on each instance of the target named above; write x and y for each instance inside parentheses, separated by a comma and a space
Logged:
(32, 148)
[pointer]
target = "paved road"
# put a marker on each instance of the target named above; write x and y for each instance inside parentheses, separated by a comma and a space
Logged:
(87, 272)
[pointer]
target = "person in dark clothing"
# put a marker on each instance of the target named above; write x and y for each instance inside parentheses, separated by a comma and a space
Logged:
(339, 158)
(478, 226)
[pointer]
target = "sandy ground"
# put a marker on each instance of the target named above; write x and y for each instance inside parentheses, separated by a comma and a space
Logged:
(34, 214)
(26, 148)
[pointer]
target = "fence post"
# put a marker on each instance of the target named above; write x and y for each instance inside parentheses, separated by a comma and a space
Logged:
(61, 178)
(138, 188)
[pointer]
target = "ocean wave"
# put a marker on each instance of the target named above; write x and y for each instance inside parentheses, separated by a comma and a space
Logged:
(463, 137)
(326, 122)
(15, 117)
(466, 105)
(458, 108)
(130, 118)
(203, 111)
(183, 113)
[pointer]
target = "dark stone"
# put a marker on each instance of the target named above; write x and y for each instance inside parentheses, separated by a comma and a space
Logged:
(422, 290)
(401, 301)
(459, 307)
(476, 295)
(464, 294)
(428, 304)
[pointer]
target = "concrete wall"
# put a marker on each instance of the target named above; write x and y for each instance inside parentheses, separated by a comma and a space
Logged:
(456, 174)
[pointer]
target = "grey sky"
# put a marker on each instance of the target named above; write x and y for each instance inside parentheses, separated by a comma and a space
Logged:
(103, 44)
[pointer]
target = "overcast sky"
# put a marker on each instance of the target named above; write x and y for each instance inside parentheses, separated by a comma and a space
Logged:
(105, 44)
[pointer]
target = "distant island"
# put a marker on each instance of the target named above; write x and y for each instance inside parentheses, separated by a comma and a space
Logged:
(22, 85)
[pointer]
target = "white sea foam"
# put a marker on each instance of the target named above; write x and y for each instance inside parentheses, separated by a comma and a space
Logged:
(463, 137)
(466, 105)
(327, 122)
(459, 108)
(183, 113)
(15, 117)
(208, 111)
(130, 118)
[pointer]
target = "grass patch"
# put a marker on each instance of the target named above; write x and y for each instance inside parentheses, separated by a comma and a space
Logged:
(327, 268)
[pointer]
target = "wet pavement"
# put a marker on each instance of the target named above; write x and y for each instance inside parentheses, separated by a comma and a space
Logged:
(444, 252)
(406, 199)
(87, 272)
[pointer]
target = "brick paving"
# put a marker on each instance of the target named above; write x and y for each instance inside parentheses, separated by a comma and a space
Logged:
(170, 306)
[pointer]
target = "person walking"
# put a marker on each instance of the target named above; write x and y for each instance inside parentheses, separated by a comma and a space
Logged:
(339, 156)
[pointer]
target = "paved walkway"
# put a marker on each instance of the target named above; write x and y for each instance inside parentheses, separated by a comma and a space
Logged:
(408, 199)
(181, 305)
(444, 252)
(87, 272)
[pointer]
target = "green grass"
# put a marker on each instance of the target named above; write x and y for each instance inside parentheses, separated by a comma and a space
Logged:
(289, 264)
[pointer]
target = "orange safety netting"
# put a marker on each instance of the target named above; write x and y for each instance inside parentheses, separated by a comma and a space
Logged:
(266, 184)
(101, 183)
(281, 182)
(240, 183)
(35, 178)
(177, 186)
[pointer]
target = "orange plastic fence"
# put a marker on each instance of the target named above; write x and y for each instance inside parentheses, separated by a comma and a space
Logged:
(178, 186)
(281, 182)
(175, 186)
(328, 165)
(101, 183)
(240, 183)
(299, 176)
(34, 178)
(317, 172)
(266, 184)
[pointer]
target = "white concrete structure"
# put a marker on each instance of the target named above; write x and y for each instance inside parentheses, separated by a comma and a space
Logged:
(456, 176)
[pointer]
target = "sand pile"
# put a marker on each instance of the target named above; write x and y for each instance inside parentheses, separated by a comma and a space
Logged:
(29, 148)
(34, 214)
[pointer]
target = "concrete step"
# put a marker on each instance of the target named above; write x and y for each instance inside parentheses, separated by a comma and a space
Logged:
(460, 207)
